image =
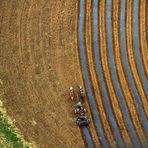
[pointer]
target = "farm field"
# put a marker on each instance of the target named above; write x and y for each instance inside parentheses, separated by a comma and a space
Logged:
(48, 46)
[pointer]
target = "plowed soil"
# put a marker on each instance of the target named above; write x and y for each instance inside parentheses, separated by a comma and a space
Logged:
(40, 60)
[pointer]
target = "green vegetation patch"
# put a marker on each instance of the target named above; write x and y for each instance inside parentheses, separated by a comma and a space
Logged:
(7, 131)
(4, 143)
(10, 136)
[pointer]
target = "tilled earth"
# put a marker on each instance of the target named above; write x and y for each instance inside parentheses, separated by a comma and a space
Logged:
(40, 60)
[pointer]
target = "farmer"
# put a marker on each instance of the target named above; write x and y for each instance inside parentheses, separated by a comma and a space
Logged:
(79, 109)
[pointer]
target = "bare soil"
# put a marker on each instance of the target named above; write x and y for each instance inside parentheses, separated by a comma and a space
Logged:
(39, 61)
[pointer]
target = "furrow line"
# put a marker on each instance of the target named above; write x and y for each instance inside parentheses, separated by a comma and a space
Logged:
(132, 61)
(100, 75)
(90, 66)
(136, 46)
(124, 45)
(143, 44)
(97, 88)
(113, 74)
(87, 45)
(85, 77)
(133, 75)
(122, 88)
(93, 132)
(107, 73)
(86, 137)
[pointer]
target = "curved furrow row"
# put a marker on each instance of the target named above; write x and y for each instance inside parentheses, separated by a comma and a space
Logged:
(128, 59)
(20, 30)
(84, 65)
(113, 74)
(89, 57)
(124, 93)
(127, 71)
(116, 86)
(119, 91)
(84, 68)
(97, 84)
(100, 71)
(100, 74)
(86, 135)
(143, 44)
(121, 74)
(135, 36)
(87, 45)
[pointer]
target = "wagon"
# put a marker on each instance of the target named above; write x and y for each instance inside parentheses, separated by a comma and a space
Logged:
(82, 122)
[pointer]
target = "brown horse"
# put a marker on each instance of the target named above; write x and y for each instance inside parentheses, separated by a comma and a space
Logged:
(82, 94)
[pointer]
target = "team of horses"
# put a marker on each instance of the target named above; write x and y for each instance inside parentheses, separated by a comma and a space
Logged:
(81, 93)
(82, 120)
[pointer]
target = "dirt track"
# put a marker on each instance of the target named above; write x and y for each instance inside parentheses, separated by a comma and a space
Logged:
(40, 59)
